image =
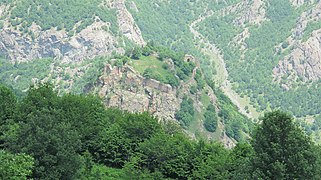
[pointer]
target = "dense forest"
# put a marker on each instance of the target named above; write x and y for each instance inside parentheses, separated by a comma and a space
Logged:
(46, 136)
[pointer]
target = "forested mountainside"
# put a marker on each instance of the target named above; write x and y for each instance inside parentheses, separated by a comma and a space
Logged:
(262, 54)
(95, 47)
(270, 47)
(182, 75)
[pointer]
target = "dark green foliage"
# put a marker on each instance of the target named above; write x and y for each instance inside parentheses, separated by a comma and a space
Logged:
(7, 105)
(186, 113)
(75, 137)
(282, 150)
(7, 113)
(240, 167)
(199, 79)
(87, 115)
(137, 53)
(210, 118)
(38, 99)
(52, 142)
(170, 155)
(147, 50)
(119, 142)
(212, 161)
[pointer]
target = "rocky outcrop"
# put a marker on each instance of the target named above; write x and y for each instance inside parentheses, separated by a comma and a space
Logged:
(303, 62)
(253, 12)
(126, 89)
(126, 23)
(91, 41)
(311, 15)
(298, 3)
(96, 39)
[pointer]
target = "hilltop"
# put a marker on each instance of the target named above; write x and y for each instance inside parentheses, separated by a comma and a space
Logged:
(262, 54)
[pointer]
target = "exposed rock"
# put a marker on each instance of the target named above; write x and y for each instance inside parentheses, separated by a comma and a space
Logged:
(94, 40)
(91, 41)
(254, 12)
(298, 3)
(127, 24)
(133, 6)
(3, 9)
(310, 15)
(128, 90)
(303, 62)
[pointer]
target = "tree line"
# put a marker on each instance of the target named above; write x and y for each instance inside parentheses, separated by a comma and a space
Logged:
(46, 136)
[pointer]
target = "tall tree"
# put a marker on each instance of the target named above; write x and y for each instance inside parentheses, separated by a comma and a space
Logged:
(52, 142)
(7, 109)
(282, 150)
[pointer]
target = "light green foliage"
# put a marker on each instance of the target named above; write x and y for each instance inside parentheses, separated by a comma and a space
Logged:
(87, 81)
(167, 23)
(15, 166)
(60, 14)
(317, 123)
(19, 75)
(157, 68)
(199, 79)
(152, 68)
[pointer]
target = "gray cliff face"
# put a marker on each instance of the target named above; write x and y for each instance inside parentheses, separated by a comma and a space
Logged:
(126, 89)
(88, 43)
(95, 39)
(303, 64)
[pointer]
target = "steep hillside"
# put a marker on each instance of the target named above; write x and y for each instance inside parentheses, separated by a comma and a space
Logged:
(70, 31)
(270, 48)
(261, 54)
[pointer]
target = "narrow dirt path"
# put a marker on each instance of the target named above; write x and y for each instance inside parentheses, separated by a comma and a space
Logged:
(221, 76)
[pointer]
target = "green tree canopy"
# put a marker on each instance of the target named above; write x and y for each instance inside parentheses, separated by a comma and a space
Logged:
(15, 166)
(282, 150)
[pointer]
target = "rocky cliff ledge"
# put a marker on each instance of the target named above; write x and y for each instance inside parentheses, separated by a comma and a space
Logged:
(125, 88)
